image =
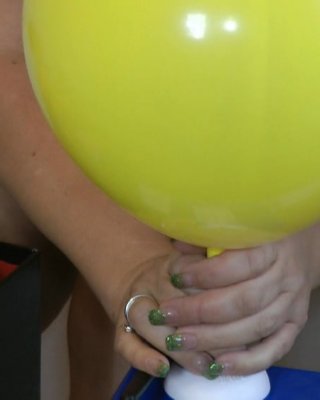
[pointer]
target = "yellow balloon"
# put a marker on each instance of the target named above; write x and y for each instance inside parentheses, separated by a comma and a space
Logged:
(201, 117)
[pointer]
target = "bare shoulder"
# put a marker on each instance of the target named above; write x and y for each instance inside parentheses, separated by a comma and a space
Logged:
(10, 26)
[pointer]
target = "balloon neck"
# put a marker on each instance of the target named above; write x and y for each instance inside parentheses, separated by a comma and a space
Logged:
(212, 252)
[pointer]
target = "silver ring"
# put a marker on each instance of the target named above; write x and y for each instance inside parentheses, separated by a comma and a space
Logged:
(127, 326)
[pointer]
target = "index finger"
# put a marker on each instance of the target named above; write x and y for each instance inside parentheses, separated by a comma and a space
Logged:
(227, 269)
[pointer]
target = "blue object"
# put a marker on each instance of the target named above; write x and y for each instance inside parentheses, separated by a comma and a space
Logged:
(286, 384)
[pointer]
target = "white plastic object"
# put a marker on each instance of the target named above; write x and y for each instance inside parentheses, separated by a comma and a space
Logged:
(183, 385)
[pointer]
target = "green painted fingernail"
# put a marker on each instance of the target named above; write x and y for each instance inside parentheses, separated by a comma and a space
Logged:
(174, 342)
(163, 370)
(177, 281)
(214, 371)
(157, 317)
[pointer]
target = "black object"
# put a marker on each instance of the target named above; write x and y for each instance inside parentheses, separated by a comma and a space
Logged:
(20, 325)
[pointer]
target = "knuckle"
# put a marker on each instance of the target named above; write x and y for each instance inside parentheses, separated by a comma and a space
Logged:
(302, 321)
(260, 259)
(284, 347)
(204, 279)
(253, 261)
(285, 342)
(205, 311)
(300, 311)
(267, 324)
(249, 302)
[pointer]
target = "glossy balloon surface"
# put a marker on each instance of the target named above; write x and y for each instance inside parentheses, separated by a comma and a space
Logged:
(201, 117)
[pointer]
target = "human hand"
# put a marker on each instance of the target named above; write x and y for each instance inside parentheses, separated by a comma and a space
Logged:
(145, 347)
(253, 300)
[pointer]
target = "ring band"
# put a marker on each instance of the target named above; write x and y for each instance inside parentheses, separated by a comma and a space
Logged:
(127, 326)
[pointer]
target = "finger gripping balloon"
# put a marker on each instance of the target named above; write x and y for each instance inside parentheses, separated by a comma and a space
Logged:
(200, 117)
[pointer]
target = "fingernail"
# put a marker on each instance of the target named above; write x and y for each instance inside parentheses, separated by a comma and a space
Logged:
(174, 342)
(180, 341)
(162, 317)
(177, 281)
(157, 367)
(163, 370)
(157, 317)
(214, 370)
